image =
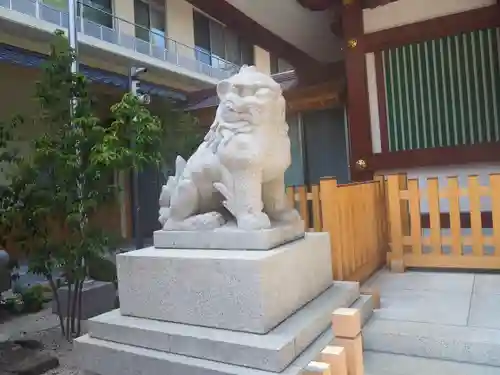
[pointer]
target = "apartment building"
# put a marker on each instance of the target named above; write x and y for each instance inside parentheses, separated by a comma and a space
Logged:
(184, 49)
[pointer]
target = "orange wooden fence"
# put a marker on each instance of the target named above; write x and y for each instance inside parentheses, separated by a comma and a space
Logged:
(460, 228)
(355, 216)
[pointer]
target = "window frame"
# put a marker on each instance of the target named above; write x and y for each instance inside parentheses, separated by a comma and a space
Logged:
(215, 59)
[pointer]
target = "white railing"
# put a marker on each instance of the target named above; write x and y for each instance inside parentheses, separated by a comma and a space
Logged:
(123, 32)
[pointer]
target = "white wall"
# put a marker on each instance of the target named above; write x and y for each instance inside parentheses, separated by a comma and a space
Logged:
(262, 60)
(180, 24)
(124, 9)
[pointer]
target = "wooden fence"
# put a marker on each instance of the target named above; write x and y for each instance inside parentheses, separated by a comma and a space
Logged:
(355, 216)
(444, 225)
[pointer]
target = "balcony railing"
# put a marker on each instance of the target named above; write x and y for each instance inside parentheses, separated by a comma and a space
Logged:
(122, 33)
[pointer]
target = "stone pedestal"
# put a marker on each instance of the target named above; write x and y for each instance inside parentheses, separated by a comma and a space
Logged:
(196, 312)
(248, 291)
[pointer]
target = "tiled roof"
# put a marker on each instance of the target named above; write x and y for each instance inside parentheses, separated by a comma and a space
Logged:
(26, 58)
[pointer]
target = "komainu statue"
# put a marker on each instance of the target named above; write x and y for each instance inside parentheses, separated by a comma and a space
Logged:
(237, 173)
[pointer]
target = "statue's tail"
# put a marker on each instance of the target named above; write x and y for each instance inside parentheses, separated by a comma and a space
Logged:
(168, 190)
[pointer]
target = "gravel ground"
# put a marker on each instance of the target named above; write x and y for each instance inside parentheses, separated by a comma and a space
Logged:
(44, 327)
(60, 348)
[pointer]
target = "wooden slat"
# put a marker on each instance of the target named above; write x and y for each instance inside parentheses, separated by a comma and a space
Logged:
(395, 216)
(353, 209)
(454, 201)
(291, 196)
(416, 227)
(316, 206)
(450, 261)
(367, 211)
(344, 231)
(475, 220)
(434, 213)
(303, 205)
(444, 192)
(495, 210)
(328, 191)
(448, 241)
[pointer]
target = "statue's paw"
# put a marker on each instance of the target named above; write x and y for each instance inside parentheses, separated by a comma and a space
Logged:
(254, 221)
(287, 216)
(207, 221)
(164, 215)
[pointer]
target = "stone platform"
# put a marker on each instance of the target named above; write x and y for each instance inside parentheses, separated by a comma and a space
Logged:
(251, 291)
(229, 237)
(109, 358)
(271, 352)
(215, 312)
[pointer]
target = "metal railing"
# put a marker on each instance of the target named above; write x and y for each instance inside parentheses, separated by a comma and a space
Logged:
(123, 33)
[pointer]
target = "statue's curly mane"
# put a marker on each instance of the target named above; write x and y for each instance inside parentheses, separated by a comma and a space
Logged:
(222, 129)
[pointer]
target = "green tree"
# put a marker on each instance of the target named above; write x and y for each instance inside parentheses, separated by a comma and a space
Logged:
(69, 175)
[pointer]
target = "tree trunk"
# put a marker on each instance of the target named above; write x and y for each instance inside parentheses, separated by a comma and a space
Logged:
(54, 288)
(68, 311)
(74, 303)
(80, 299)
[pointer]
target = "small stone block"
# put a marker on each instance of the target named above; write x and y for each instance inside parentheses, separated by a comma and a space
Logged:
(346, 322)
(97, 298)
(397, 266)
(336, 357)
(317, 368)
(375, 293)
(354, 354)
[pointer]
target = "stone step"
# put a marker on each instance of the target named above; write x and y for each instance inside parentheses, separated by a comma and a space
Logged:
(454, 343)
(272, 352)
(110, 358)
(395, 364)
(364, 304)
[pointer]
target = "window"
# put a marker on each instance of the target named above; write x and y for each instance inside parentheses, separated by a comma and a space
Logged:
(150, 21)
(98, 11)
(59, 4)
(215, 43)
(279, 65)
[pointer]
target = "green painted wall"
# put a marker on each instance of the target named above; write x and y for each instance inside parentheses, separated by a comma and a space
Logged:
(444, 92)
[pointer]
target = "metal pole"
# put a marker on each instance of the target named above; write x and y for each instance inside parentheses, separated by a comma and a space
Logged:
(73, 34)
(73, 43)
(136, 211)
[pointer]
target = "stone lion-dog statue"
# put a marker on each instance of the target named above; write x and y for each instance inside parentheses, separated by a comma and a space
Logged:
(237, 172)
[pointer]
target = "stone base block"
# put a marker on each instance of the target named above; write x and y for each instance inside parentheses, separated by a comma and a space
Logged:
(271, 352)
(251, 291)
(97, 298)
(229, 238)
(109, 358)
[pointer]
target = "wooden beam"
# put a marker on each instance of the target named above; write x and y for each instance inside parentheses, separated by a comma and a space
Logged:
(254, 33)
(358, 110)
(481, 18)
(441, 156)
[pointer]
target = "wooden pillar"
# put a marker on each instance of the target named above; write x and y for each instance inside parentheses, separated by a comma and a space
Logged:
(358, 109)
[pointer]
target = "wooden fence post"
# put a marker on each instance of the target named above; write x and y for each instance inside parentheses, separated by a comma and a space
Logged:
(383, 216)
(398, 220)
(328, 193)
